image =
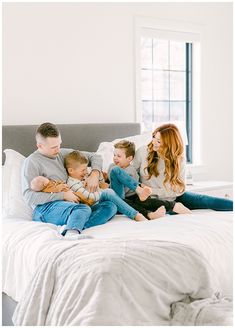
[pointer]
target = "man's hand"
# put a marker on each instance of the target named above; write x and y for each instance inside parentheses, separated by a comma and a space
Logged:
(105, 175)
(92, 182)
(71, 197)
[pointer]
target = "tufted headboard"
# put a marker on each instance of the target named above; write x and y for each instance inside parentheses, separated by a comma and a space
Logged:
(78, 136)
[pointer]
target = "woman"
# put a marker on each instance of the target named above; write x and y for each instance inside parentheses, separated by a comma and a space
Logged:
(161, 166)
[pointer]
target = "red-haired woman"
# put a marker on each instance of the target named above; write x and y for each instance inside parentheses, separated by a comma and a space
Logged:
(161, 166)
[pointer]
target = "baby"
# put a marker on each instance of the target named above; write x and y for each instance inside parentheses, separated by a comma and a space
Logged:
(124, 180)
(44, 184)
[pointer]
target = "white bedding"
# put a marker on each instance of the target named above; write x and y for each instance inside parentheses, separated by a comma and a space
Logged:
(131, 273)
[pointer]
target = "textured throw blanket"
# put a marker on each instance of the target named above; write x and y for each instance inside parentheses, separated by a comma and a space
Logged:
(214, 311)
(114, 282)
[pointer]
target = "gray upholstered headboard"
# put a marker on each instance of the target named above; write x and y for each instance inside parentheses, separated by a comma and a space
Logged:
(77, 136)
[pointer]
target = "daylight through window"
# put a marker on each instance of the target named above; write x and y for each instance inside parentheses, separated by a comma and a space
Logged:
(166, 84)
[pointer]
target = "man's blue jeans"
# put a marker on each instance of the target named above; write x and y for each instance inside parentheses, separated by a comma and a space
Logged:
(74, 216)
(196, 201)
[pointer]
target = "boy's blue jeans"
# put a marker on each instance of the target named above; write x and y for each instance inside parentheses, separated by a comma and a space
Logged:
(119, 179)
(122, 206)
(74, 216)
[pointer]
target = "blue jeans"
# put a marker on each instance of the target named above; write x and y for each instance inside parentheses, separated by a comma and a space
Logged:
(119, 179)
(122, 206)
(196, 201)
(74, 216)
(101, 213)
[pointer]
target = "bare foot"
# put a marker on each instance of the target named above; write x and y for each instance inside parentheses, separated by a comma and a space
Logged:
(181, 209)
(160, 212)
(143, 193)
(140, 217)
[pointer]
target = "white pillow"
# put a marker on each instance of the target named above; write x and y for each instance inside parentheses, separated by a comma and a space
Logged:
(106, 149)
(14, 205)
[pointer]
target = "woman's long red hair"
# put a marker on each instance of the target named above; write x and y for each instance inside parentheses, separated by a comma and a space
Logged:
(171, 151)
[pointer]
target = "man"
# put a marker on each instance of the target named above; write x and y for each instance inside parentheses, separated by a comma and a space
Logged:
(61, 208)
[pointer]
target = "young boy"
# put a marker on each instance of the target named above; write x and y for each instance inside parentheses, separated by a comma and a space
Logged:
(124, 180)
(76, 166)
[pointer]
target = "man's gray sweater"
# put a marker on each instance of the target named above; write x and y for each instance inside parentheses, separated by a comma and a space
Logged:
(52, 168)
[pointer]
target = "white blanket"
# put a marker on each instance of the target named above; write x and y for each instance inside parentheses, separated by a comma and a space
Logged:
(212, 311)
(129, 274)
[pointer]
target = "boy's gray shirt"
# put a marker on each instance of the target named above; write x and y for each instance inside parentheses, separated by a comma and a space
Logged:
(52, 168)
(130, 170)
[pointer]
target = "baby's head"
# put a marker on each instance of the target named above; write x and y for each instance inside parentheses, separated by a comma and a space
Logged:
(76, 165)
(38, 183)
(124, 153)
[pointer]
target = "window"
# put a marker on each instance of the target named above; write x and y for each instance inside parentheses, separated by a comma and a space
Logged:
(166, 80)
(166, 84)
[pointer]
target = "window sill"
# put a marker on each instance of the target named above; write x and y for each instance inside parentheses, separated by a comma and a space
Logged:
(197, 172)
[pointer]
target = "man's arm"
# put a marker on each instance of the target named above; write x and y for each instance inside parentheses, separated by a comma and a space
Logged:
(78, 186)
(29, 171)
(95, 161)
(92, 182)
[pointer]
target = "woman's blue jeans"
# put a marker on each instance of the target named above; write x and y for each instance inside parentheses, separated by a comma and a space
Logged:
(119, 179)
(74, 216)
(197, 201)
(122, 206)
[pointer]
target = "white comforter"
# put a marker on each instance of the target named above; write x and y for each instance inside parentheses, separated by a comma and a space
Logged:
(129, 274)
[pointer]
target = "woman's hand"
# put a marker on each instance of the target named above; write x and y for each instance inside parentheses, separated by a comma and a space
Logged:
(92, 182)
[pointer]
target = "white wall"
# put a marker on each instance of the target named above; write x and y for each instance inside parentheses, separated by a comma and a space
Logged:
(74, 63)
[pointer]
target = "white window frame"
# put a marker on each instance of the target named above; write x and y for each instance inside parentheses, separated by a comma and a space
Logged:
(176, 29)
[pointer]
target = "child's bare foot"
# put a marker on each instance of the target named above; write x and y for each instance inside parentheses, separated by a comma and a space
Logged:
(160, 212)
(140, 217)
(181, 209)
(143, 192)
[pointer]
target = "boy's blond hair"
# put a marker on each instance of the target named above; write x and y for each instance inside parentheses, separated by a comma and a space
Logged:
(74, 158)
(128, 146)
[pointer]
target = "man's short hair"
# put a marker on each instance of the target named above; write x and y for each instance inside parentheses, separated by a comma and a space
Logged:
(74, 158)
(128, 146)
(47, 130)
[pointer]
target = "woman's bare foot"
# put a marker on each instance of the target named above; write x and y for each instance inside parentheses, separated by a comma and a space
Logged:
(140, 217)
(143, 193)
(181, 209)
(160, 212)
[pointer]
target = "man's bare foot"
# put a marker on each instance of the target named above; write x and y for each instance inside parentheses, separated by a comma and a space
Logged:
(143, 193)
(181, 209)
(160, 212)
(140, 217)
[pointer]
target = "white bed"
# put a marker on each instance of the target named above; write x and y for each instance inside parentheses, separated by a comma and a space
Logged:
(176, 270)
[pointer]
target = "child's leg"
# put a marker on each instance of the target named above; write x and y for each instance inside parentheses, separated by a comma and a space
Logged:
(152, 204)
(137, 205)
(120, 179)
(150, 208)
(160, 212)
(154, 207)
(179, 208)
(122, 206)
